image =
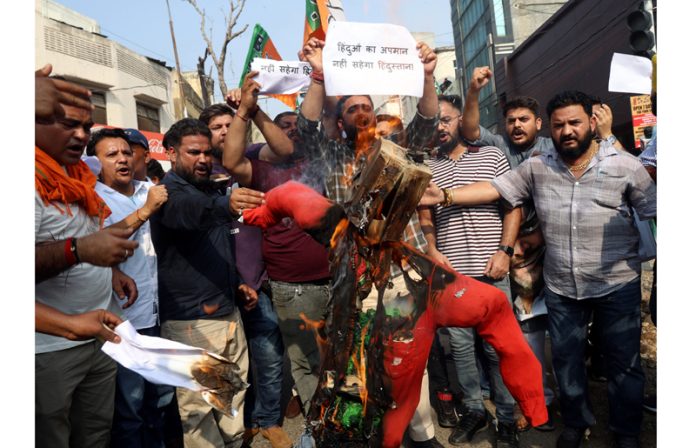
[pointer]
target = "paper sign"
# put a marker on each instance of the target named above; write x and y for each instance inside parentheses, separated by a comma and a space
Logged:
(630, 74)
(281, 76)
(371, 59)
(159, 360)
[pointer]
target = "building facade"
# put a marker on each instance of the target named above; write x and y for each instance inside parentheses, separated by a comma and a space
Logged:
(487, 30)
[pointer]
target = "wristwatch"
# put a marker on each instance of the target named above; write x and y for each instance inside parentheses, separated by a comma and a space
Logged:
(507, 249)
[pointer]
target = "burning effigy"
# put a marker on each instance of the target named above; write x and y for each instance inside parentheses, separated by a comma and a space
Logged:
(372, 363)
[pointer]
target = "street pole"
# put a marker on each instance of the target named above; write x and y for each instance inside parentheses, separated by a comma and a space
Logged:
(181, 113)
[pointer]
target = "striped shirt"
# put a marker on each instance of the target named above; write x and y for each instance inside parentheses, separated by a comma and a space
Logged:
(591, 238)
(468, 236)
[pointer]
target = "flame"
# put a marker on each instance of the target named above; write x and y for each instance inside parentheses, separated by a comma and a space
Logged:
(362, 370)
(366, 136)
(339, 231)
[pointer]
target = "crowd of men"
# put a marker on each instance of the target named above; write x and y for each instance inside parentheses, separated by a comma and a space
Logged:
(548, 221)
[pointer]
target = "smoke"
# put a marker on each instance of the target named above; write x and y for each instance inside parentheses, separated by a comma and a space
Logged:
(393, 9)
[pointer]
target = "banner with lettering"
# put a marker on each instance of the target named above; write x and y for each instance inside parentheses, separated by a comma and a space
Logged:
(261, 46)
(284, 77)
(371, 59)
(318, 15)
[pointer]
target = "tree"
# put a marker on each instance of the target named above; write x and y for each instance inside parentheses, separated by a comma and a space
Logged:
(231, 18)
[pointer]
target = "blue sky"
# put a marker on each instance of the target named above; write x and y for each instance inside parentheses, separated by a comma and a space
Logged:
(143, 26)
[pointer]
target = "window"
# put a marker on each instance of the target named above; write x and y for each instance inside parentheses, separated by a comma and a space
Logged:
(148, 117)
(99, 102)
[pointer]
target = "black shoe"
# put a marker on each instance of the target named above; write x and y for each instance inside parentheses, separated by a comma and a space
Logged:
(432, 443)
(570, 437)
(625, 441)
(470, 424)
(506, 436)
(444, 407)
(549, 425)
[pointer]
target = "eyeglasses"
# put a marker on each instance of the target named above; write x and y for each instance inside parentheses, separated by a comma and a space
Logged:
(446, 121)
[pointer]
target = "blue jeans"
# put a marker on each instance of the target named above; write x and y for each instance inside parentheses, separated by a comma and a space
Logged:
(139, 407)
(462, 341)
(262, 401)
(617, 316)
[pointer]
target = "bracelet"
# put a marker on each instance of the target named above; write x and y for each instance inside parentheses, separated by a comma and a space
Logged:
(245, 119)
(137, 215)
(73, 249)
(317, 76)
(449, 197)
(68, 252)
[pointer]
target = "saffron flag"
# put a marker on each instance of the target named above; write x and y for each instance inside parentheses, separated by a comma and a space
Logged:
(261, 46)
(318, 15)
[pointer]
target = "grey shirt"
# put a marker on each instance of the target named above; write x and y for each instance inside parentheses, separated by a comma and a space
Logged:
(591, 240)
(513, 154)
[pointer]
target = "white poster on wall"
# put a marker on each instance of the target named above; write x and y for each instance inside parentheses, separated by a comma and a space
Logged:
(371, 59)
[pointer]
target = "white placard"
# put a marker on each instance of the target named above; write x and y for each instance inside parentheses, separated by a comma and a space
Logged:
(630, 74)
(284, 77)
(371, 59)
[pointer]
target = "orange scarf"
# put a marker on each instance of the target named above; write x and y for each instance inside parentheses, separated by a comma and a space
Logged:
(55, 186)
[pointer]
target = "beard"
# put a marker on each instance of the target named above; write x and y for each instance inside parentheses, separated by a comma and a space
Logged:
(583, 145)
(217, 153)
(189, 176)
(448, 146)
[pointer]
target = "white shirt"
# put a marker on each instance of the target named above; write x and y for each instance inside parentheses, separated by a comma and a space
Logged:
(142, 265)
(81, 288)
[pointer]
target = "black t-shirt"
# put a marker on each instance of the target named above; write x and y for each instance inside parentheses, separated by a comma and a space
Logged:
(196, 271)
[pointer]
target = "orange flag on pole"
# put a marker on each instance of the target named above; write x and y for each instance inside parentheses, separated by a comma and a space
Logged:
(318, 15)
(261, 46)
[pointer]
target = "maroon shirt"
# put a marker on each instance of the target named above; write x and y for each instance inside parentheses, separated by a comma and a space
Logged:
(291, 255)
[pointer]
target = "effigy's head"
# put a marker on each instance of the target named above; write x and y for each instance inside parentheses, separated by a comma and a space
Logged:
(387, 186)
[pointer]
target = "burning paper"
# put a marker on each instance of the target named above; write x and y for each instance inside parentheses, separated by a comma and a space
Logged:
(162, 361)
(283, 77)
(371, 59)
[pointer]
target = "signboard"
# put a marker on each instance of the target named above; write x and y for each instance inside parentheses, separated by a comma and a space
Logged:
(154, 139)
(641, 111)
(371, 59)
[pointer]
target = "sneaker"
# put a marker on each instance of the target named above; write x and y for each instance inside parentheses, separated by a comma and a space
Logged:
(470, 424)
(294, 407)
(277, 437)
(506, 436)
(621, 441)
(549, 425)
(432, 443)
(650, 403)
(570, 437)
(444, 407)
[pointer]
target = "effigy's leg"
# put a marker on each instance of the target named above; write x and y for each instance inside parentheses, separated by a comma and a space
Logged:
(455, 300)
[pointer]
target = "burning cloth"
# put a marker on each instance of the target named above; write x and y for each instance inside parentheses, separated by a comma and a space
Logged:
(162, 361)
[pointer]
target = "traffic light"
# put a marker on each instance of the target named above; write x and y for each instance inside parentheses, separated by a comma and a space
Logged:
(641, 39)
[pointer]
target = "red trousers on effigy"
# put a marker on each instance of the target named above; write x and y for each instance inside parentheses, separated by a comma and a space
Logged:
(464, 303)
